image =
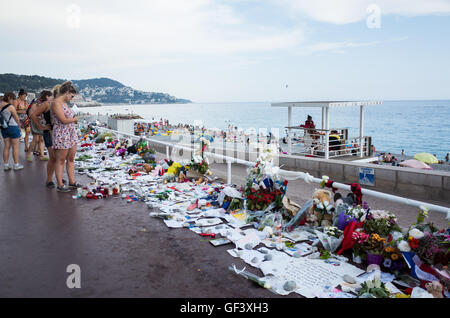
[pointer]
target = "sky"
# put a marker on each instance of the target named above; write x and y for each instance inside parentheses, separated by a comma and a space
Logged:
(237, 50)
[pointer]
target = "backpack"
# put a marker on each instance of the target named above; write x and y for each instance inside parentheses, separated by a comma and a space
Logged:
(30, 105)
(3, 122)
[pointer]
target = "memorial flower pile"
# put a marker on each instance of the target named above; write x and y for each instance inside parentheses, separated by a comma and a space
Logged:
(393, 258)
(374, 244)
(264, 189)
(380, 222)
(333, 231)
(199, 161)
(365, 233)
(433, 249)
(374, 288)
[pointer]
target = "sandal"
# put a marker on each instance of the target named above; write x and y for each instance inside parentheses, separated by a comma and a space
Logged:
(50, 185)
(43, 159)
(29, 159)
(62, 189)
(75, 185)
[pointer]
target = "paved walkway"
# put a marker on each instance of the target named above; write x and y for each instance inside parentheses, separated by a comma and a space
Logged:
(122, 251)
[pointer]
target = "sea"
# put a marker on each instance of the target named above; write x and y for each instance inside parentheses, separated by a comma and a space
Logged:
(413, 126)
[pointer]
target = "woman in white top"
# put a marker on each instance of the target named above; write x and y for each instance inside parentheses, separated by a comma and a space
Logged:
(11, 134)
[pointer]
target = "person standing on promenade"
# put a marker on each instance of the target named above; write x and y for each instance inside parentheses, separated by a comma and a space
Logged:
(64, 135)
(11, 134)
(21, 108)
(43, 111)
(37, 123)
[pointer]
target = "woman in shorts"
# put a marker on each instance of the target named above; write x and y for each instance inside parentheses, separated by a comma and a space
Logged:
(11, 134)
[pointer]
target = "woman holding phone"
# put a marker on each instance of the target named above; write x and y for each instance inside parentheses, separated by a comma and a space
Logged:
(64, 135)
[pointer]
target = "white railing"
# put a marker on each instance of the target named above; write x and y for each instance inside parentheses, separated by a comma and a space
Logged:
(290, 175)
(315, 144)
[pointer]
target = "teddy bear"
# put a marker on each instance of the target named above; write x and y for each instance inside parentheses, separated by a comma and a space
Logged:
(435, 289)
(148, 168)
(321, 213)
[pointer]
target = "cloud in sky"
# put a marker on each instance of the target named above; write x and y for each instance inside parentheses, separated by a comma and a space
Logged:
(148, 27)
(350, 11)
(185, 46)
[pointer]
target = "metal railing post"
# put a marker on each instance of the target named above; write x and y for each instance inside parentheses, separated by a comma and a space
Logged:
(228, 171)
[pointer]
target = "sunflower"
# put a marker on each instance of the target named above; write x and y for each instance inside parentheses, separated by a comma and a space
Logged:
(394, 257)
(389, 249)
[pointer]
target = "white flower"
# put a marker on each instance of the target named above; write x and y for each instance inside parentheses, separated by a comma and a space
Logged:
(325, 178)
(403, 246)
(377, 280)
(396, 235)
(415, 233)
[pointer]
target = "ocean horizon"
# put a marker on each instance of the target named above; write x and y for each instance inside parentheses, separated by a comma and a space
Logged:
(413, 125)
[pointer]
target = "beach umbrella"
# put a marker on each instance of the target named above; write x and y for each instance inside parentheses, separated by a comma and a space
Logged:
(413, 163)
(426, 157)
(207, 137)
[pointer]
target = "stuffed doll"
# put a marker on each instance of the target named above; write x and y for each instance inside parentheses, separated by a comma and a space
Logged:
(321, 213)
(435, 289)
(148, 168)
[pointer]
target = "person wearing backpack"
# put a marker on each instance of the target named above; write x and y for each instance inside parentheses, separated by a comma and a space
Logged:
(37, 107)
(10, 131)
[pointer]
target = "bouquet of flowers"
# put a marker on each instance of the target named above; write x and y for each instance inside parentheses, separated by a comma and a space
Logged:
(200, 163)
(261, 198)
(380, 222)
(421, 224)
(374, 289)
(263, 188)
(374, 244)
(360, 238)
(354, 213)
(333, 231)
(201, 166)
(331, 238)
(392, 258)
(433, 249)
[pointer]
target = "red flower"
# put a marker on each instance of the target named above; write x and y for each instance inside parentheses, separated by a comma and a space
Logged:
(414, 243)
(285, 182)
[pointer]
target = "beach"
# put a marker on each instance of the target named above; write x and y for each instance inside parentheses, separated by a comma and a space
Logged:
(412, 126)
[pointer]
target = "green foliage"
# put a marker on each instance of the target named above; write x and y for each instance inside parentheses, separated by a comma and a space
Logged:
(30, 83)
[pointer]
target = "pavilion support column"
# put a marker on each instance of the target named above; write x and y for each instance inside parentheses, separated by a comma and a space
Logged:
(289, 130)
(327, 134)
(361, 131)
(323, 118)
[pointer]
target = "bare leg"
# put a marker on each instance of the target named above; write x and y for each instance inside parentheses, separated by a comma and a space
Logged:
(15, 148)
(31, 148)
(61, 156)
(70, 166)
(27, 146)
(6, 146)
(51, 165)
(41, 146)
